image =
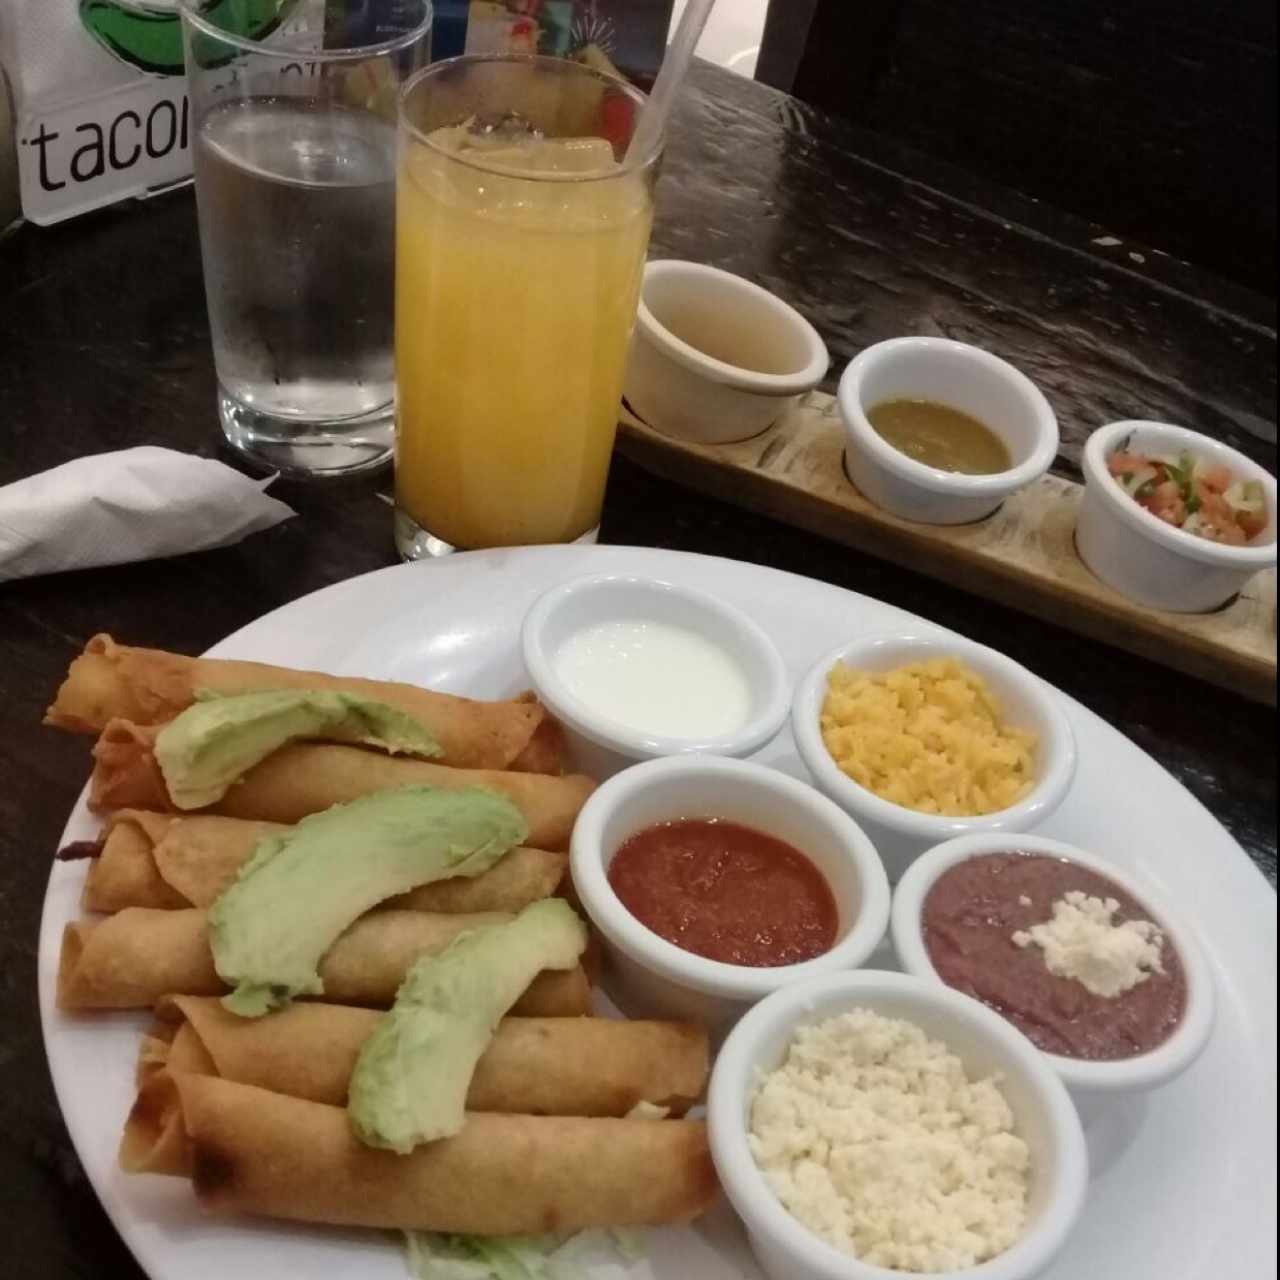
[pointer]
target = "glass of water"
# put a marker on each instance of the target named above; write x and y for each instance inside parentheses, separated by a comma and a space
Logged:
(293, 110)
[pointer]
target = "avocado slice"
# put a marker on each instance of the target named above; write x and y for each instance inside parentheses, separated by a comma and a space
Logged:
(219, 738)
(412, 1076)
(300, 890)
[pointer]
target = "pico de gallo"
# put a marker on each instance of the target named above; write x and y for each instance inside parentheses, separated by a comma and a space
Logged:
(1201, 498)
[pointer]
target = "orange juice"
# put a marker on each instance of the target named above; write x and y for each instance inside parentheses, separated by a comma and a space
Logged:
(517, 278)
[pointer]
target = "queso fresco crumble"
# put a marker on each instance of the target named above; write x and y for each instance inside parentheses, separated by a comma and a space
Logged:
(873, 1137)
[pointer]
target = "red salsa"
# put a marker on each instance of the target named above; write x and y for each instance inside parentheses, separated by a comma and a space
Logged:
(726, 892)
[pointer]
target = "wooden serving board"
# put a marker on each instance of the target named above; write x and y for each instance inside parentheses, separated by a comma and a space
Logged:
(1023, 556)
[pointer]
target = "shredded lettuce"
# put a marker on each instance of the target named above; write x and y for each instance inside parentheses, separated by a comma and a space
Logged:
(629, 1242)
(439, 1257)
(444, 1257)
(429, 1260)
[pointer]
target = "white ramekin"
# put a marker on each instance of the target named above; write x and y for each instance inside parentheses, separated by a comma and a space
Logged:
(962, 377)
(899, 834)
(1148, 560)
(987, 1045)
(585, 602)
(684, 392)
(1090, 1083)
(657, 978)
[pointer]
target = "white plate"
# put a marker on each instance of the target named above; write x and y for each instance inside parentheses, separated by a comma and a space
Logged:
(1184, 1183)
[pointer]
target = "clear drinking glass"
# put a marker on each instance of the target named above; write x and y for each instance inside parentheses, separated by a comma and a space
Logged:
(293, 139)
(521, 234)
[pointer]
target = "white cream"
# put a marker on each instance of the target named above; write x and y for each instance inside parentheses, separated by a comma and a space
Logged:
(656, 678)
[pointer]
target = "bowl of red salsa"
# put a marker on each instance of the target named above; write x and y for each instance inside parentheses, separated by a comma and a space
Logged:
(714, 882)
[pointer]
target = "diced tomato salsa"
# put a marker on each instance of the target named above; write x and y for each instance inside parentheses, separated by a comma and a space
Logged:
(1194, 496)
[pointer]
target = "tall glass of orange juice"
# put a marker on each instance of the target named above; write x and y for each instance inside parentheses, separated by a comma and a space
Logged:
(521, 232)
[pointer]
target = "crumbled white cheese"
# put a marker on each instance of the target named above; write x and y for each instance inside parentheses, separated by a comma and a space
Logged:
(1082, 942)
(872, 1135)
(1024, 900)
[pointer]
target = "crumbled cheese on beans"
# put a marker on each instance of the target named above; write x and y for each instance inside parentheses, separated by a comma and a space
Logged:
(871, 1135)
(1081, 941)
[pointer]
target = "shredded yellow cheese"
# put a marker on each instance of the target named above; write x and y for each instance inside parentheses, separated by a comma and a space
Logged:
(929, 736)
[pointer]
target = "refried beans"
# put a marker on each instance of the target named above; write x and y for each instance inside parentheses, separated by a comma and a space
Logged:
(968, 921)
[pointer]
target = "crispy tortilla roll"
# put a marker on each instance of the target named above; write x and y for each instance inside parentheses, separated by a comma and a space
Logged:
(150, 687)
(533, 1066)
(131, 959)
(125, 872)
(159, 860)
(251, 1151)
(305, 778)
(517, 880)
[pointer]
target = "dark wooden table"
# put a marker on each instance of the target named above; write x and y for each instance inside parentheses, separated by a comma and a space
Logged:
(104, 344)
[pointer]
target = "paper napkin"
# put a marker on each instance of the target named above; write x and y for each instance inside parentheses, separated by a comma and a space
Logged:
(135, 504)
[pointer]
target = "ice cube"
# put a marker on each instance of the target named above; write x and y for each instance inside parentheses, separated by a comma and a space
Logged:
(485, 136)
(510, 130)
(548, 156)
(577, 155)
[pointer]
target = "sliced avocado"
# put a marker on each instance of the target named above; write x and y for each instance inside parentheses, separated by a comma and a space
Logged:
(411, 1080)
(218, 739)
(300, 890)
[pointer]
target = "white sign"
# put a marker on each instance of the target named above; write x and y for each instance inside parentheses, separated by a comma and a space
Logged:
(128, 141)
(100, 107)
(100, 97)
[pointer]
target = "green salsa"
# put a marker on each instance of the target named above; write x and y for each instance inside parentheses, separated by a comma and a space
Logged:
(941, 437)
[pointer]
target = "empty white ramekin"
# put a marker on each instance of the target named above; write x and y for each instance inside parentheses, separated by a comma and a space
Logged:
(961, 377)
(655, 977)
(902, 835)
(766, 354)
(1148, 560)
(985, 1043)
(1090, 1083)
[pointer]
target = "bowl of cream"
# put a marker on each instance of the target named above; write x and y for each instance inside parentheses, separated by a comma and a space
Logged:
(643, 668)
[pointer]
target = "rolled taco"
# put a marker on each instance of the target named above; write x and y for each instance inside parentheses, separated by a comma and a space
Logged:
(150, 686)
(131, 959)
(305, 778)
(160, 860)
(251, 1151)
(534, 1066)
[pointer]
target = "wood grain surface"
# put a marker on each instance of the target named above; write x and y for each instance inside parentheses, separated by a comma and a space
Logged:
(1023, 556)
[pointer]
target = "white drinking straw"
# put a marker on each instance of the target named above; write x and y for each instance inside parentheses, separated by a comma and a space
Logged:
(653, 119)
